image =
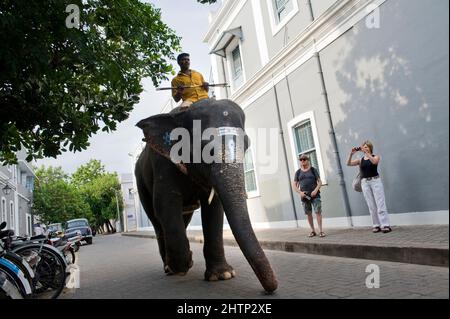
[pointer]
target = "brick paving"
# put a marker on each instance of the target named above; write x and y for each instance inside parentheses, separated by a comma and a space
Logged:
(121, 267)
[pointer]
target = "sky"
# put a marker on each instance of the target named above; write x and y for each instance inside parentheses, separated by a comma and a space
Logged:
(189, 20)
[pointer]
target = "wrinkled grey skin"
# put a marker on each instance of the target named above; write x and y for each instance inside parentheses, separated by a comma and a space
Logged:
(167, 193)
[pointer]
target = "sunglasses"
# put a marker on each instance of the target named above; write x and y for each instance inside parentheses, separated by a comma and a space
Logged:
(303, 159)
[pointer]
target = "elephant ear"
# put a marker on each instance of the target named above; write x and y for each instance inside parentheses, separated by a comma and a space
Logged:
(157, 132)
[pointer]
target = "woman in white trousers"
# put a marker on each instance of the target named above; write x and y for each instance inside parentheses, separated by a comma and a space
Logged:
(372, 186)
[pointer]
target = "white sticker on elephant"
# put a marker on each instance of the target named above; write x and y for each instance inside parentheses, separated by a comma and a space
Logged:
(227, 130)
(231, 150)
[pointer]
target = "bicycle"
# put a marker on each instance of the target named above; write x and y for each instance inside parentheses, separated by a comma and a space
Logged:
(50, 269)
(15, 273)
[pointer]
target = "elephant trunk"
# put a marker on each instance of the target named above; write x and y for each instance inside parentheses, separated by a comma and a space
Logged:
(231, 190)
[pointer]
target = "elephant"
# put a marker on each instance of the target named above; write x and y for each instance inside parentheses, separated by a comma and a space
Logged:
(171, 190)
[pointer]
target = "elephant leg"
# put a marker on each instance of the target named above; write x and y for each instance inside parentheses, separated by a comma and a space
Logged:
(217, 267)
(187, 219)
(147, 204)
(168, 207)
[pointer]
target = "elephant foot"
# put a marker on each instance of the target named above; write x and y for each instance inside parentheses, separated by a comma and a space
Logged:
(178, 268)
(219, 273)
(169, 272)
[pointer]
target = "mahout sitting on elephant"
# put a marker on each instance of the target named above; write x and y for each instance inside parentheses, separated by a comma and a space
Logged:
(171, 186)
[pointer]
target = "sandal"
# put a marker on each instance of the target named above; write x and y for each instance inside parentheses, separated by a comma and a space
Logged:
(321, 234)
(376, 230)
(312, 234)
(387, 229)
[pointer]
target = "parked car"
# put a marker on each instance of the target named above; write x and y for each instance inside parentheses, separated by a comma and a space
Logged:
(81, 225)
(56, 228)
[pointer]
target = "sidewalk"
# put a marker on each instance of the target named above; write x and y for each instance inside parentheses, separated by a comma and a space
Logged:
(425, 245)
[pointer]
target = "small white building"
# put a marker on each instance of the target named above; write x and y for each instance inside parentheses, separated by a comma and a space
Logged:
(16, 195)
(129, 213)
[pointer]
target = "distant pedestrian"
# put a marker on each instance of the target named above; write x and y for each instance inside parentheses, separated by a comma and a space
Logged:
(39, 229)
(307, 183)
(372, 186)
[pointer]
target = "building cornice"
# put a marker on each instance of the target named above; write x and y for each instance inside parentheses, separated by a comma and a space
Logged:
(223, 21)
(302, 47)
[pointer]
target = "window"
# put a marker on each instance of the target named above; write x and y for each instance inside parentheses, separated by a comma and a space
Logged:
(282, 8)
(29, 230)
(251, 185)
(304, 140)
(29, 183)
(3, 210)
(236, 67)
(130, 193)
(281, 11)
(235, 64)
(12, 222)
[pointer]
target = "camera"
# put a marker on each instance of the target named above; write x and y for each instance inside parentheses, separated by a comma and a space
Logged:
(357, 148)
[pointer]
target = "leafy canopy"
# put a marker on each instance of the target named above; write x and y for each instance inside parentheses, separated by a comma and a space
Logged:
(60, 85)
(100, 189)
(55, 199)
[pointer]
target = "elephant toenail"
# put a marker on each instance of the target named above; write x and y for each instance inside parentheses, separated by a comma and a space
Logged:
(213, 278)
(226, 275)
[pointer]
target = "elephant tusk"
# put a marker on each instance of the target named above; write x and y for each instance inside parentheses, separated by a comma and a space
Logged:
(211, 196)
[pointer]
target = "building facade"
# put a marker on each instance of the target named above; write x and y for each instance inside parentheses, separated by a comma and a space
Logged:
(129, 217)
(319, 77)
(15, 203)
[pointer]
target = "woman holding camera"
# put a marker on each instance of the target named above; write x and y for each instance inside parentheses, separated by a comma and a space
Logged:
(372, 186)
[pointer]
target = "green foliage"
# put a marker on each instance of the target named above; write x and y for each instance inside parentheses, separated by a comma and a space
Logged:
(101, 190)
(90, 193)
(55, 199)
(87, 173)
(60, 85)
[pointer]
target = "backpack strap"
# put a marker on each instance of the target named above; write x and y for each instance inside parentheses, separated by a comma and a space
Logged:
(315, 173)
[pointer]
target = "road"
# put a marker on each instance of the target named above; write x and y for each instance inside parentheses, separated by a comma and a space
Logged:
(122, 267)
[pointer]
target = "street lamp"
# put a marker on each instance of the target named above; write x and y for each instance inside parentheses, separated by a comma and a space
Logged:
(7, 189)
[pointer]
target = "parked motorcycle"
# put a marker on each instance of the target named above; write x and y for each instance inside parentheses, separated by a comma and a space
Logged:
(67, 246)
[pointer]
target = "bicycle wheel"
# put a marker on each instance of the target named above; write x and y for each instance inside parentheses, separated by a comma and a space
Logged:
(20, 262)
(9, 289)
(14, 277)
(50, 269)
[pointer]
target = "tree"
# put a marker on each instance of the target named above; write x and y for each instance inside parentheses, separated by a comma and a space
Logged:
(101, 190)
(55, 199)
(59, 84)
(103, 196)
(88, 173)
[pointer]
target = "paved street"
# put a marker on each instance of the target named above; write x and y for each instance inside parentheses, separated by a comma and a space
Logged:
(123, 267)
